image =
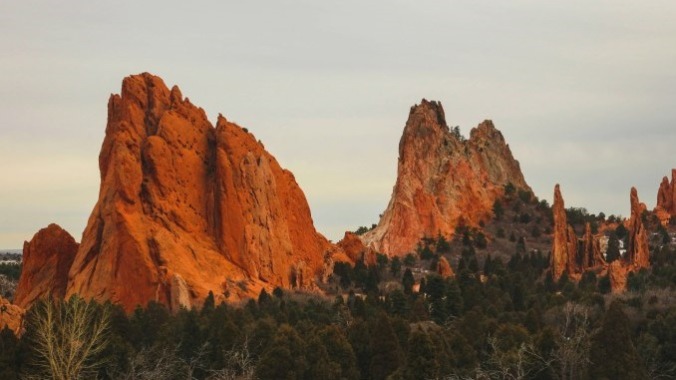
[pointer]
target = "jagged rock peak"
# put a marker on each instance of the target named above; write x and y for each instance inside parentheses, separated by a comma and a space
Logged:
(638, 252)
(46, 261)
(186, 208)
(442, 180)
(431, 108)
(444, 268)
(564, 244)
(591, 254)
(666, 199)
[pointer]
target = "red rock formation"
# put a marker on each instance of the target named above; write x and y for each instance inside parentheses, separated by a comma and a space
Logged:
(564, 245)
(618, 273)
(591, 250)
(370, 258)
(637, 249)
(565, 242)
(11, 316)
(353, 247)
(666, 199)
(444, 268)
(185, 208)
(46, 261)
(441, 178)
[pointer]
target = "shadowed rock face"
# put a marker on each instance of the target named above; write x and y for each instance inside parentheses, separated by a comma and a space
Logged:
(442, 180)
(186, 208)
(46, 261)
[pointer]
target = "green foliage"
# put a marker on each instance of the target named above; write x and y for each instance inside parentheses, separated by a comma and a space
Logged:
(421, 358)
(386, 354)
(395, 266)
(498, 210)
(621, 231)
(525, 196)
(10, 270)
(410, 260)
(478, 320)
(509, 189)
(613, 251)
(612, 352)
(408, 281)
(363, 229)
(285, 357)
(480, 240)
(442, 245)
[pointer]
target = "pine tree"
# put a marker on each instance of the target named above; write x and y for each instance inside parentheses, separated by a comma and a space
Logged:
(407, 281)
(340, 351)
(613, 354)
(421, 360)
(386, 352)
(285, 357)
(436, 290)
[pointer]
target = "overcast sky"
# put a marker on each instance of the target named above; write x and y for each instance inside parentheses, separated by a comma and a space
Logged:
(583, 91)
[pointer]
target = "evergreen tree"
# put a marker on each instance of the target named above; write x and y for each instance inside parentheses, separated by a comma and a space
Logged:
(408, 281)
(454, 302)
(421, 358)
(442, 244)
(285, 357)
(613, 251)
(209, 304)
(9, 358)
(340, 351)
(385, 349)
(613, 354)
(320, 364)
(395, 266)
(436, 290)
(398, 303)
(360, 340)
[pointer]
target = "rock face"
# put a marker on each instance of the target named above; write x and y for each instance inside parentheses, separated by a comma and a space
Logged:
(11, 316)
(442, 180)
(186, 208)
(591, 250)
(353, 247)
(47, 258)
(618, 273)
(666, 199)
(638, 254)
(564, 246)
(444, 268)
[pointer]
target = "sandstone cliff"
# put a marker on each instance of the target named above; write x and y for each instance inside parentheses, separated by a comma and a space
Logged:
(47, 258)
(353, 247)
(442, 179)
(638, 254)
(591, 250)
(666, 199)
(564, 255)
(444, 268)
(564, 245)
(11, 316)
(186, 208)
